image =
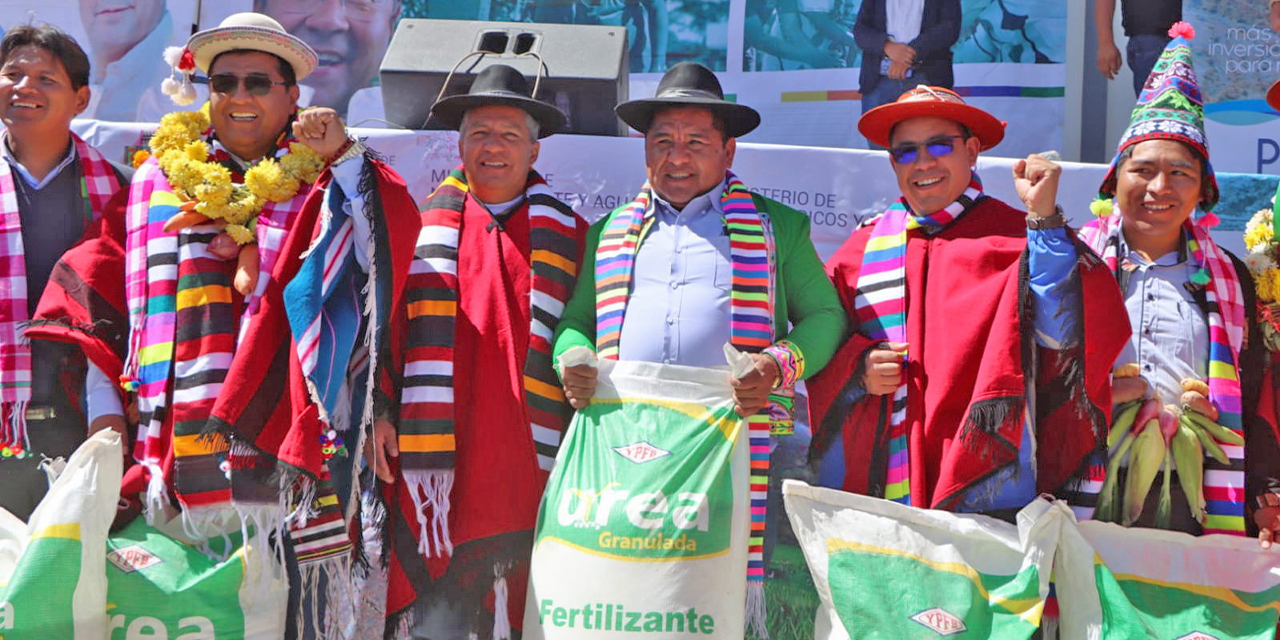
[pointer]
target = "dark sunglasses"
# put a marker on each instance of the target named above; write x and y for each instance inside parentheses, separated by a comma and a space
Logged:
(937, 146)
(255, 83)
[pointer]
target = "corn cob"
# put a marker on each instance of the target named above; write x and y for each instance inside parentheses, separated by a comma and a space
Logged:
(1129, 370)
(1189, 457)
(1206, 440)
(1123, 422)
(1108, 496)
(1165, 506)
(1168, 429)
(1219, 432)
(1144, 462)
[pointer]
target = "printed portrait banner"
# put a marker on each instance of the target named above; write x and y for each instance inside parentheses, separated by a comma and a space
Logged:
(642, 531)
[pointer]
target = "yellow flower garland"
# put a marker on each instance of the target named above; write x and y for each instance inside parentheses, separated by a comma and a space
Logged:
(1260, 240)
(184, 158)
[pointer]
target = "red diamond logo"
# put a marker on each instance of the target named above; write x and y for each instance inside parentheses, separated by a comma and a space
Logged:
(135, 558)
(941, 622)
(641, 452)
(1198, 635)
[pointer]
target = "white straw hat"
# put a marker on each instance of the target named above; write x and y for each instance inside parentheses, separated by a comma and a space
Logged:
(256, 32)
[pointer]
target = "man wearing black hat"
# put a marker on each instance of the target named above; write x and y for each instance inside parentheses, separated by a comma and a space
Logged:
(494, 265)
(697, 262)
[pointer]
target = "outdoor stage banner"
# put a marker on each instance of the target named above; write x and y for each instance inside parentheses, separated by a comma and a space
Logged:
(1237, 57)
(839, 189)
(794, 60)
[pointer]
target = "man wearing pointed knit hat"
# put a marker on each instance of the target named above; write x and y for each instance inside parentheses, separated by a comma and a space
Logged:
(1194, 311)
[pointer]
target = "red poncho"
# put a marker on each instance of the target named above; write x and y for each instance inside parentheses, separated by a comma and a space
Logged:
(969, 325)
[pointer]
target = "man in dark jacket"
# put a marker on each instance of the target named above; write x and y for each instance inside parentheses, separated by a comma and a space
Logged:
(904, 43)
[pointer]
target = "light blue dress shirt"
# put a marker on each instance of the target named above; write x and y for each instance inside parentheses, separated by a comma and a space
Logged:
(678, 311)
(1170, 338)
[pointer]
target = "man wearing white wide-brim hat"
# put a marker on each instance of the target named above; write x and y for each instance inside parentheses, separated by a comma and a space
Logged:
(242, 242)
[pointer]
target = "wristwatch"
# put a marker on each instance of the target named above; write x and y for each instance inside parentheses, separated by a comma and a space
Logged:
(1048, 222)
(353, 148)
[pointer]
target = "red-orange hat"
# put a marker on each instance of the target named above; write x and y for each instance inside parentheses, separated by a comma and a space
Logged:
(930, 102)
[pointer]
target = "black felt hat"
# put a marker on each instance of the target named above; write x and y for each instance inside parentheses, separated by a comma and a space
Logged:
(499, 85)
(689, 84)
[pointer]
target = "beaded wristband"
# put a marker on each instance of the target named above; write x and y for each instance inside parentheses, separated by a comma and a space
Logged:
(349, 149)
(790, 362)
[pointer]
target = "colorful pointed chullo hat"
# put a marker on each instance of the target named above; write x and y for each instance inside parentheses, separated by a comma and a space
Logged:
(1169, 108)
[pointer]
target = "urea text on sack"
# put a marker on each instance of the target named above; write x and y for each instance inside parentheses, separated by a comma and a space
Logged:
(140, 628)
(586, 508)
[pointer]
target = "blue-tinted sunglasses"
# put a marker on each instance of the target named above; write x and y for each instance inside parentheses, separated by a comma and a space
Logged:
(937, 146)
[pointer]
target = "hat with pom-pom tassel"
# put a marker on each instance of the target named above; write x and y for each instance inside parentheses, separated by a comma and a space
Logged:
(1170, 107)
(178, 85)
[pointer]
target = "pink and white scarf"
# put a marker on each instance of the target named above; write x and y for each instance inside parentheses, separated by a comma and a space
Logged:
(98, 182)
(152, 261)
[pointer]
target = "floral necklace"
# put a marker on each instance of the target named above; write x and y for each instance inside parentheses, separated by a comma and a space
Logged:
(1261, 241)
(206, 187)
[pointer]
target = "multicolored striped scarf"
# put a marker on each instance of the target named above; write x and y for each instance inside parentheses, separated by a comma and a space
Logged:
(98, 182)
(324, 307)
(426, 412)
(880, 304)
(753, 259)
(1224, 485)
(183, 332)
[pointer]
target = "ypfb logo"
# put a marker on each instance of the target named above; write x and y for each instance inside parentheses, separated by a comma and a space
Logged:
(941, 622)
(133, 558)
(1198, 635)
(641, 452)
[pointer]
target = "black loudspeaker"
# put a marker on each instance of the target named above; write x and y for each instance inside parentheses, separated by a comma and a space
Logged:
(585, 76)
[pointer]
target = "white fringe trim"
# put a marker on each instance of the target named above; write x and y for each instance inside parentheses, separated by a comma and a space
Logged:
(204, 523)
(339, 605)
(18, 421)
(430, 491)
(257, 523)
(303, 508)
(756, 610)
(156, 500)
(1050, 627)
(501, 618)
(370, 292)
